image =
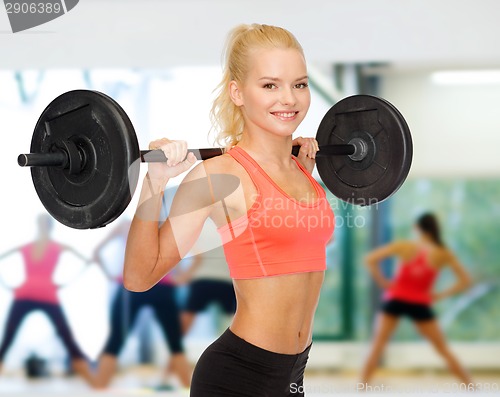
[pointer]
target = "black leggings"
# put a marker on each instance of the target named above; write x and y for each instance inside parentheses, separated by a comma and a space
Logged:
(126, 306)
(20, 308)
(232, 367)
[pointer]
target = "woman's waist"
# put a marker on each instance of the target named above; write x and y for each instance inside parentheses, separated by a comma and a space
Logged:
(251, 353)
(277, 338)
(275, 329)
(411, 288)
(409, 295)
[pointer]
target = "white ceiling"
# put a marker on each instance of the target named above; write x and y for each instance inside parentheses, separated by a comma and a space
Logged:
(159, 33)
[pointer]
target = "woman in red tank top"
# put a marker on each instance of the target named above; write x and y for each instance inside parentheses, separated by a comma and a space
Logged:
(410, 291)
(274, 226)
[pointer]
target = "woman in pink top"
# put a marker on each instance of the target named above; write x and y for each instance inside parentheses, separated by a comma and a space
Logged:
(410, 292)
(279, 219)
(38, 292)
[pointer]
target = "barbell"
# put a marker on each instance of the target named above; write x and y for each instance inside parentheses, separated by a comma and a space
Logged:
(85, 154)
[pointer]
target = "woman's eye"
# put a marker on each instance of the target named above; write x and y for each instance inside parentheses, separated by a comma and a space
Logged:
(269, 86)
(302, 85)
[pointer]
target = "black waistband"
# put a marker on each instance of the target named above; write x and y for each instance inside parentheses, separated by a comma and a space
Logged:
(251, 351)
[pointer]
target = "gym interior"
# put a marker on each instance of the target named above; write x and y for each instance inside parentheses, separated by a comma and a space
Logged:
(438, 62)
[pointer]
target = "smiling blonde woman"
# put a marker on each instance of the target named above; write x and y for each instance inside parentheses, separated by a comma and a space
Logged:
(274, 232)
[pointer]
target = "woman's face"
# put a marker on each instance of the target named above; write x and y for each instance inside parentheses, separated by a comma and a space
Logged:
(275, 96)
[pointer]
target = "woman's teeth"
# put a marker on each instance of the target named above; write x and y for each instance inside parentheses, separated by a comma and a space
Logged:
(285, 115)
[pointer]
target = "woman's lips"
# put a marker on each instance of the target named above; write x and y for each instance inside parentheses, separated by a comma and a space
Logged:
(285, 116)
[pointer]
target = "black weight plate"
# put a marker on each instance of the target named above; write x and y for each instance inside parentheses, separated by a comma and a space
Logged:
(101, 191)
(387, 163)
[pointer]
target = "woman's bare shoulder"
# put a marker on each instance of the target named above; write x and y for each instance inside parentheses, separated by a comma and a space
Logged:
(209, 180)
(405, 248)
(215, 165)
(220, 164)
(405, 245)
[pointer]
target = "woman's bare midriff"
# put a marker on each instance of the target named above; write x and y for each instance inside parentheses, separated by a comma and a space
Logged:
(276, 313)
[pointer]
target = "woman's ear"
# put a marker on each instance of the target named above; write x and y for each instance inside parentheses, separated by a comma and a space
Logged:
(235, 93)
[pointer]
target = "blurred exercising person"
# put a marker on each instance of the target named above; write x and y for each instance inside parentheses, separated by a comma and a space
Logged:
(410, 293)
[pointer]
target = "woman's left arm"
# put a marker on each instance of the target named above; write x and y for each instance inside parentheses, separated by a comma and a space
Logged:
(373, 259)
(464, 279)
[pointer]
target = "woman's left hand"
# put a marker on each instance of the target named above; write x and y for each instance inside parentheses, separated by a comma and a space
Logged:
(307, 152)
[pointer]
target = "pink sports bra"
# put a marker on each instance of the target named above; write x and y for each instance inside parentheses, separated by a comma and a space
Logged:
(279, 234)
(38, 285)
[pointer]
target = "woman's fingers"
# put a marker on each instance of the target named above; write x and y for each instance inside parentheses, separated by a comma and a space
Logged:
(189, 161)
(177, 156)
(156, 144)
(314, 147)
(308, 146)
(171, 153)
(175, 151)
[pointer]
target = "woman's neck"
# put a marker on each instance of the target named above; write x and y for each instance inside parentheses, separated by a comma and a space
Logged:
(42, 240)
(268, 148)
(427, 242)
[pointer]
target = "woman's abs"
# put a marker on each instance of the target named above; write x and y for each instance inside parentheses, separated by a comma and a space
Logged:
(276, 313)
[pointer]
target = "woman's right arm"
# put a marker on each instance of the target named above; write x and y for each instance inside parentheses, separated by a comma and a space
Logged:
(9, 252)
(373, 259)
(151, 251)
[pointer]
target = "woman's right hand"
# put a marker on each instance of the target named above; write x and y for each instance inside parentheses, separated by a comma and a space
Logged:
(177, 163)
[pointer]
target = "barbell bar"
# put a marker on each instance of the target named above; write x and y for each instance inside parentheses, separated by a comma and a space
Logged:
(61, 157)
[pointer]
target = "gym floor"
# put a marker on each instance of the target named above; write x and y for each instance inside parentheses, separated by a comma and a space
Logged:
(145, 380)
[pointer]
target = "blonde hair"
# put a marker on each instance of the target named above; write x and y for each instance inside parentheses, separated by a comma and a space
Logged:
(227, 118)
